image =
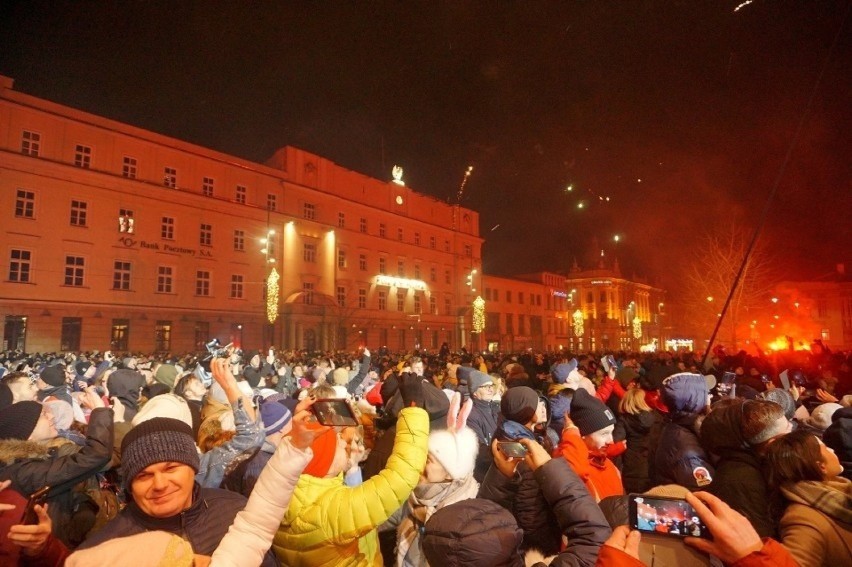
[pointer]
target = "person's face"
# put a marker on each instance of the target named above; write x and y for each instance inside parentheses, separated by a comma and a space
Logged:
(435, 471)
(485, 392)
(44, 429)
(829, 463)
(341, 458)
(163, 490)
(417, 368)
(196, 388)
(23, 390)
(298, 371)
(255, 361)
(598, 440)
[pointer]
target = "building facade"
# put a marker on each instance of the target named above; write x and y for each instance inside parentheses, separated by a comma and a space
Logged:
(119, 238)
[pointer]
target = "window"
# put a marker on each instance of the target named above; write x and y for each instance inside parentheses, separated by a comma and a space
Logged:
(433, 305)
(125, 221)
(446, 245)
(362, 226)
(202, 283)
(341, 259)
(508, 296)
(416, 271)
(400, 300)
(362, 262)
(30, 143)
(417, 306)
(74, 270)
(399, 234)
(383, 299)
(590, 297)
(341, 296)
(341, 220)
(71, 330)
(382, 229)
(207, 186)
(271, 202)
(432, 242)
(202, 334)
(446, 276)
(170, 177)
(521, 297)
(83, 156)
(308, 293)
(417, 239)
(165, 276)
(121, 275)
(20, 266)
(128, 167)
(25, 204)
(310, 252)
(510, 323)
(382, 266)
(309, 211)
(120, 334)
(237, 282)
(163, 336)
(602, 297)
(167, 228)
(522, 324)
(78, 213)
(362, 298)
(448, 306)
(205, 235)
(239, 241)
(400, 268)
(433, 274)
(240, 194)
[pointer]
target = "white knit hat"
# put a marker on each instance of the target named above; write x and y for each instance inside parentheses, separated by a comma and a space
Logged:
(455, 451)
(164, 405)
(821, 416)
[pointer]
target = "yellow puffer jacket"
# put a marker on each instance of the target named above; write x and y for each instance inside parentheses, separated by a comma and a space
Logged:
(329, 524)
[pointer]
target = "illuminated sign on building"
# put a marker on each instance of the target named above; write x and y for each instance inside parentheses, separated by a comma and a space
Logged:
(401, 282)
(601, 282)
(561, 294)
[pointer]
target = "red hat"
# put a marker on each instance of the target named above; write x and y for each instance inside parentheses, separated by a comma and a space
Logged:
(324, 448)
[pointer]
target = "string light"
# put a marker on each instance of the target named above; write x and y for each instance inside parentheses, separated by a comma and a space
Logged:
(637, 327)
(467, 173)
(272, 296)
(578, 323)
(478, 314)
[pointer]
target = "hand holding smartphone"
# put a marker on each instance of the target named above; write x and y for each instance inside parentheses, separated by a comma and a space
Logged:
(39, 497)
(334, 413)
(665, 516)
(512, 449)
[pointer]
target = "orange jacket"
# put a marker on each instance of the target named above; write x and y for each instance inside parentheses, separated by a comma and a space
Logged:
(597, 472)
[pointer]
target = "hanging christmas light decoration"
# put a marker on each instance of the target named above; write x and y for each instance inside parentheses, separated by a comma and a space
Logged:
(272, 296)
(478, 314)
(578, 323)
(637, 327)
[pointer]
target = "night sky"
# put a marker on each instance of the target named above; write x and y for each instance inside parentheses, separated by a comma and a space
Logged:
(697, 101)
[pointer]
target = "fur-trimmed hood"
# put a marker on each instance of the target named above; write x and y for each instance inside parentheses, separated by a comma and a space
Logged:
(12, 450)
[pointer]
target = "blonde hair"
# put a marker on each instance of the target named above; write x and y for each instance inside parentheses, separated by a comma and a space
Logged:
(633, 402)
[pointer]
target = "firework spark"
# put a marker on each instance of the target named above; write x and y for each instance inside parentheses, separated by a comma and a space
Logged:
(743, 5)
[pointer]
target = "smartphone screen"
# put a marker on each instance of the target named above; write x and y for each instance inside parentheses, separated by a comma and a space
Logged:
(334, 412)
(512, 449)
(665, 516)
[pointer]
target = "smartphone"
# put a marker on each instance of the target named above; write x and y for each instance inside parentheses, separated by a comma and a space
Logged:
(665, 516)
(29, 517)
(335, 413)
(512, 449)
(765, 378)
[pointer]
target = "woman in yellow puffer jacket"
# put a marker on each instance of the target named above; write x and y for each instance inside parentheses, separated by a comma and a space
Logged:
(328, 524)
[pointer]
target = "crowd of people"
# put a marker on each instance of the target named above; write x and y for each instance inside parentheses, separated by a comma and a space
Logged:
(428, 458)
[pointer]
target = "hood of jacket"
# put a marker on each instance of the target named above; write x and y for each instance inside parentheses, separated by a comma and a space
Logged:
(721, 430)
(12, 450)
(684, 393)
(124, 384)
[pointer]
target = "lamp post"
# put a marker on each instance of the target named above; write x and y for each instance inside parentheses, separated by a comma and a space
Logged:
(270, 286)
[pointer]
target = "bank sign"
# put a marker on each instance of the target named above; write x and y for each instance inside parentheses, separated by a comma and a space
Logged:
(130, 242)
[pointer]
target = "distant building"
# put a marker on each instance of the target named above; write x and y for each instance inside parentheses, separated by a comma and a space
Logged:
(118, 238)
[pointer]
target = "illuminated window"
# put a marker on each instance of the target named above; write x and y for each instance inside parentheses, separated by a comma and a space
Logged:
(341, 259)
(20, 266)
(309, 211)
(170, 177)
(271, 202)
(167, 228)
(240, 194)
(121, 275)
(382, 266)
(417, 306)
(239, 241)
(128, 167)
(79, 212)
(165, 279)
(163, 336)
(308, 293)
(237, 283)
(400, 299)
(72, 329)
(126, 223)
(75, 267)
(205, 235)
(202, 283)
(207, 186)
(83, 156)
(30, 143)
(310, 252)
(25, 204)
(362, 298)
(362, 262)
(120, 334)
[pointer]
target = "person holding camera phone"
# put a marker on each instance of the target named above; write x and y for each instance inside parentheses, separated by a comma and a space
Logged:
(26, 543)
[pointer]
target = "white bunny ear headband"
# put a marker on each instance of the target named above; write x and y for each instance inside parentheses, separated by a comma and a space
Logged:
(458, 414)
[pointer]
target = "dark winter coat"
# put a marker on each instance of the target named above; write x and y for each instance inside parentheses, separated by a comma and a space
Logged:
(739, 479)
(203, 524)
(636, 430)
(679, 457)
(838, 436)
(32, 466)
(483, 421)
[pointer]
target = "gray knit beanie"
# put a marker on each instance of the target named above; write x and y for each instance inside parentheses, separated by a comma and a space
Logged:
(157, 440)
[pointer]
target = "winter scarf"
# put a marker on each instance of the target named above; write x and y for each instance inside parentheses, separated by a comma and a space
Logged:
(424, 501)
(833, 497)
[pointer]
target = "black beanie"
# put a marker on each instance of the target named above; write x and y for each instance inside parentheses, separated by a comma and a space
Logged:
(590, 414)
(519, 404)
(53, 375)
(252, 376)
(157, 440)
(6, 396)
(18, 421)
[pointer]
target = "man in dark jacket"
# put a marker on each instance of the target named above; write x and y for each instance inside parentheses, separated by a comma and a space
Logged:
(679, 458)
(838, 436)
(31, 464)
(483, 415)
(479, 533)
(160, 461)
